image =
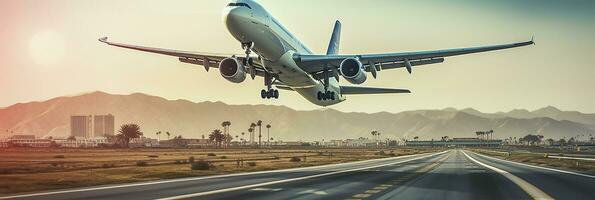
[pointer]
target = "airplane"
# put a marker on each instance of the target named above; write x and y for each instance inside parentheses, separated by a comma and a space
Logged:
(285, 63)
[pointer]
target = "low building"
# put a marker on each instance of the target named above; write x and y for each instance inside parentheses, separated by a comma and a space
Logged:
(143, 142)
(455, 142)
(82, 142)
(28, 141)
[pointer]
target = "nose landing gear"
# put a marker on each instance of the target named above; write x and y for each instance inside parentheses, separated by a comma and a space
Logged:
(328, 95)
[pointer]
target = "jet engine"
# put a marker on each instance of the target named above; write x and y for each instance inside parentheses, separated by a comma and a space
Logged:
(233, 70)
(353, 71)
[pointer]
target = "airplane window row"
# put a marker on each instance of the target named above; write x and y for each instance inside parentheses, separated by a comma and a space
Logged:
(239, 5)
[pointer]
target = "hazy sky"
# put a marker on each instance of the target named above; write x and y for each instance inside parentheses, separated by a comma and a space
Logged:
(49, 48)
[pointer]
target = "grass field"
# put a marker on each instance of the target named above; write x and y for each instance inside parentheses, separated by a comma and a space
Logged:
(27, 170)
(540, 160)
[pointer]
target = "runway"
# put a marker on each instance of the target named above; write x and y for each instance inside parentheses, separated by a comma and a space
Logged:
(453, 174)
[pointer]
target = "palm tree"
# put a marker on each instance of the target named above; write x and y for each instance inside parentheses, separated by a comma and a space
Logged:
(253, 126)
(243, 133)
(158, 134)
(217, 137)
(259, 124)
(374, 133)
(268, 133)
(225, 125)
(168, 134)
(250, 130)
(129, 131)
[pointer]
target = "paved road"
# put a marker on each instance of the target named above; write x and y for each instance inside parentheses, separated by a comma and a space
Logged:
(454, 174)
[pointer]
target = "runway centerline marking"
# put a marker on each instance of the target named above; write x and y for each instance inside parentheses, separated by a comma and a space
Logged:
(531, 190)
(291, 179)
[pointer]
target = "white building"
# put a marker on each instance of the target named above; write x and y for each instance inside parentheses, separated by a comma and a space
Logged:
(143, 142)
(82, 142)
(28, 141)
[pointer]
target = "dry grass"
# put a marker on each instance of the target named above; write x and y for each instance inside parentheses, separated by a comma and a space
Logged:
(26, 170)
(540, 160)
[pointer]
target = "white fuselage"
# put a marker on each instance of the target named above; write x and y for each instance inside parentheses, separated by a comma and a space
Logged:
(276, 47)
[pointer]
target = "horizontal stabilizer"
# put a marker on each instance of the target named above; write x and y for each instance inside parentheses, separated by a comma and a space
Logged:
(347, 90)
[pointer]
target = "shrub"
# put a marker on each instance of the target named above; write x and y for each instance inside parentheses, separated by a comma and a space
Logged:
(223, 157)
(59, 156)
(141, 163)
(200, 165)
(380, 153)
(211, 154)
(153, 156)
(295, 159)
(191, 159)
(251, 164)
(107, 165)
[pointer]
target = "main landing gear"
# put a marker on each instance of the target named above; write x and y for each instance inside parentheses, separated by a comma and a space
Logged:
(270, 94)
(328, 95)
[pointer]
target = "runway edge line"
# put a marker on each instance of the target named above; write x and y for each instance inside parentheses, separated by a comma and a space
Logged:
(530, 189)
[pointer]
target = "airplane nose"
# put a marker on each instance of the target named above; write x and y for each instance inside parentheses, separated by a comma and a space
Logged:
(233, 15)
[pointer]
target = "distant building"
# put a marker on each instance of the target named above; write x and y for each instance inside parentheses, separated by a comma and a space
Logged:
(455, 142)
(81, 126)
(28, 141)
(82, 142)
(103, 125)
(143, 142)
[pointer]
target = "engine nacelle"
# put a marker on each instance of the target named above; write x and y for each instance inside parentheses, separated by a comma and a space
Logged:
(233, 70)
(353, 71)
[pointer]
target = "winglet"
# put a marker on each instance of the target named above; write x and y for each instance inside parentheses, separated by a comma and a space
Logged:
(103, 39)
(333, 46)
(533, 39)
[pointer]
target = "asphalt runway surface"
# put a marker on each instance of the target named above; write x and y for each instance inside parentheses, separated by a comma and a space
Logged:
(453, 174)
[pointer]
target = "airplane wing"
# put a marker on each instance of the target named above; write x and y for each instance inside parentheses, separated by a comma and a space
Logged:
(314, 64)
(349, 90)
(208, 60)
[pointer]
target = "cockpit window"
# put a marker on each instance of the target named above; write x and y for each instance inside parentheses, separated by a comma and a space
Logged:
(239, 5)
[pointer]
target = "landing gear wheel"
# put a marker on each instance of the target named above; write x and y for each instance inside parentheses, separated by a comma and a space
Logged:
(263, 94)
(276, 94)
(319, 96)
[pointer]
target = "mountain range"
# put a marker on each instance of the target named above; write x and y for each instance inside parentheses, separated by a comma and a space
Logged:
(189, 119)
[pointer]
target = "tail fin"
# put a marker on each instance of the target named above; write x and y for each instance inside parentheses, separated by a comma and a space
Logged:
(333, 46)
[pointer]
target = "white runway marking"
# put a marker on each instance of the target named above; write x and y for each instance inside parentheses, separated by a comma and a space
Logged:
(192, 179)
(290, 180)
(531, 190)
(572, 158)
(538, 167)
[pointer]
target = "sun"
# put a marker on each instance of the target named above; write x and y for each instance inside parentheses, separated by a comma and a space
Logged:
(47, 48)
